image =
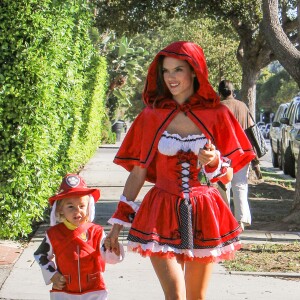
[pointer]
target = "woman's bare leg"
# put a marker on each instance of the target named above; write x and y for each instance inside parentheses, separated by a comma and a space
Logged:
(197, 277)
(171, 276)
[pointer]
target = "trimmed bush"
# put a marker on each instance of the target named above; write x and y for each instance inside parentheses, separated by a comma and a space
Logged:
(51, 104)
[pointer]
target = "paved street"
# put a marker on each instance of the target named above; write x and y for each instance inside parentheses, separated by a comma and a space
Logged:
(134, 279)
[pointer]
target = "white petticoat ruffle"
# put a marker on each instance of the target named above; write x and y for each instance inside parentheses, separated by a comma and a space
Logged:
(216, 253)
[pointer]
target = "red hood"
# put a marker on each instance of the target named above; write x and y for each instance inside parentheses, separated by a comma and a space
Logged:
(205, 96)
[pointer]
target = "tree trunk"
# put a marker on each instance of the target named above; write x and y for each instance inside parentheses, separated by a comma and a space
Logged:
(289, 57)
(298, 24)
(248, 92)
(253, 54)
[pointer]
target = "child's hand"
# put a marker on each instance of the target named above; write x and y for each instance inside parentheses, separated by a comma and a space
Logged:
(107, 244)
(111, 240)
(112, 246)
(116, 249)
(58, 281)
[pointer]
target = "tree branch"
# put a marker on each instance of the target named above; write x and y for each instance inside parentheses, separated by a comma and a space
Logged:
(284, 50)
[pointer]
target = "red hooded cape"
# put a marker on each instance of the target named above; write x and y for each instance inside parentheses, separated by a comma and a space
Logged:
(203, 108)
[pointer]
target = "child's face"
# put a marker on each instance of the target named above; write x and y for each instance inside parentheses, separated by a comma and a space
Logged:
(75, 209)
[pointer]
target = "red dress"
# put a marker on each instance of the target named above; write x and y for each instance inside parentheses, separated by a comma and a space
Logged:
(179, 216)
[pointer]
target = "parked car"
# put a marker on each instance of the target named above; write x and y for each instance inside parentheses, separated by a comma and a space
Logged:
(259, 124)
(296, 150)
(275, 135)
(266, 131)
(289, 131)
(262, 128)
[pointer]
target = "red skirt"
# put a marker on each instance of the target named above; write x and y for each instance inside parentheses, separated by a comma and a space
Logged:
(198, 227)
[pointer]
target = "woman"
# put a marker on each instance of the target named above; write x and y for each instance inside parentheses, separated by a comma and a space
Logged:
(182, 225)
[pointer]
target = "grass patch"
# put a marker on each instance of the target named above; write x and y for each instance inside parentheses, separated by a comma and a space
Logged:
(266, 257)
(270, 176)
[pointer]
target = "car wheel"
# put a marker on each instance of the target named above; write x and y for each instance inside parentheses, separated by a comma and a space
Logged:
(274, 158)
(289, 162)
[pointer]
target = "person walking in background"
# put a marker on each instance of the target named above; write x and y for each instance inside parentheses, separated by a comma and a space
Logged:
(182, 225)
(76, 244)
(239, 183)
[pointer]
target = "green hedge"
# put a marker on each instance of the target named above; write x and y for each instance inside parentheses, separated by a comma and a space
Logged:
(52, 86)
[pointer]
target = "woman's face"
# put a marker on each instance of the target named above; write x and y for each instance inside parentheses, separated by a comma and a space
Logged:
(75, 209)
(179, 78)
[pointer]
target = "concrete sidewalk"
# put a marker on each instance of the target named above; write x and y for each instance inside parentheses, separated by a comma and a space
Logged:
(134, 279)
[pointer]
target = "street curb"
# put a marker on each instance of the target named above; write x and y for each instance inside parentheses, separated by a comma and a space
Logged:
(270, 236)
(108, 146)
(265, 274)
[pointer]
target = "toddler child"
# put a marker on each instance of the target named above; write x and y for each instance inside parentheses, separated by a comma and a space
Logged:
(75, 244)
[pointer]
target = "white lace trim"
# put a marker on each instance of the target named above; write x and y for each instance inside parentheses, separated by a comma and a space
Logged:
(132, 204)
(170, 144)
(199, 253)
(113, 221)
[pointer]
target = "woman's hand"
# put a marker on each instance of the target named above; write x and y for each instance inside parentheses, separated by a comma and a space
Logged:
(227, 177)
(59, 281)
(208, 155)
(111, 242)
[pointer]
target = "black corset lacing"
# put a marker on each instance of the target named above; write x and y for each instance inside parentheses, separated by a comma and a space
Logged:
(191, 159)
(185, 207)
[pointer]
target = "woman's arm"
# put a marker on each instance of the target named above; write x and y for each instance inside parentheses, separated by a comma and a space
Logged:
(134, 183)
(132, 187)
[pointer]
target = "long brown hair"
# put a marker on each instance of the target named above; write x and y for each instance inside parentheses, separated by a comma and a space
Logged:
(162, 90)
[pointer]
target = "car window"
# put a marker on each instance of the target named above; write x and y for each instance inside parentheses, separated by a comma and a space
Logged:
(281, 112)
(294, 113)
(278, 114)
(285, 110)
(289, 111)
(297, 113)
